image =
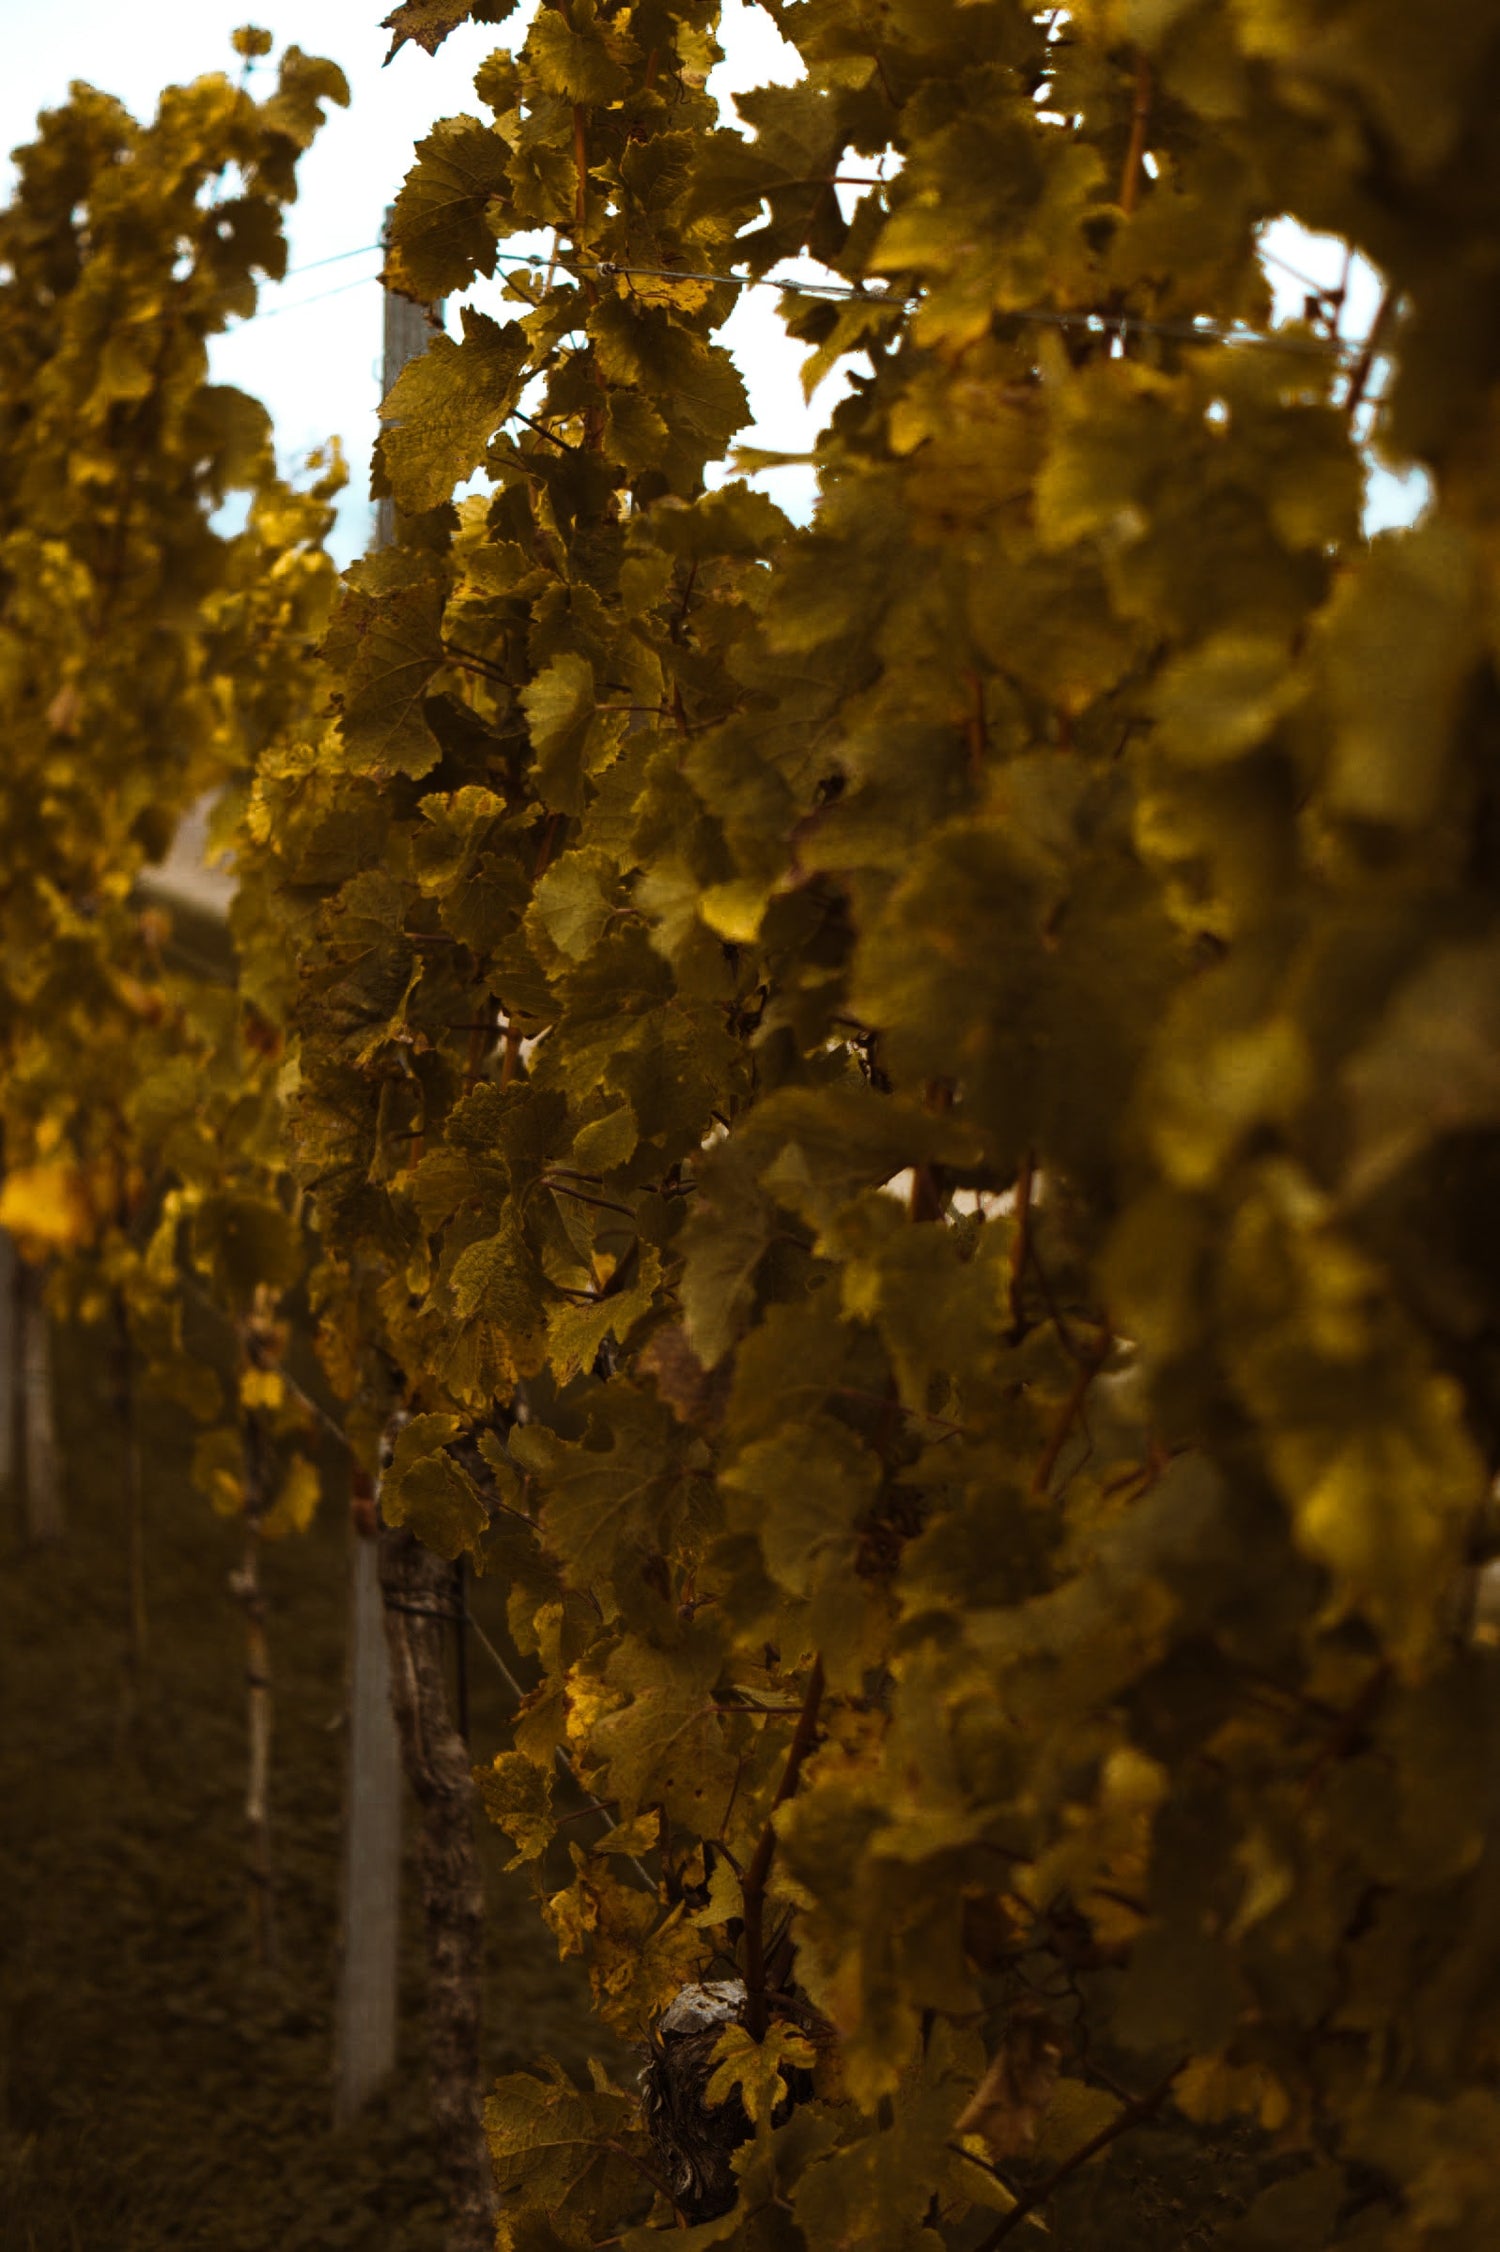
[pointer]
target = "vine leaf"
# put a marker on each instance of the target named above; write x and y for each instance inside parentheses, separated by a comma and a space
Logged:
(399, 649)
(446, 406)
(1007, 2107)
(438, 237)
(429, 22)
(757, 2068)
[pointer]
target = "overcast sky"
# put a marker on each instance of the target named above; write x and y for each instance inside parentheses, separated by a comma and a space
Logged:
(313, 351)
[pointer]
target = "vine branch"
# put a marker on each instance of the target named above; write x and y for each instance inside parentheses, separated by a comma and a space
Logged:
(1134, 2115)
(1020, 1250)
(1140, 118)
(1072, 1409)
(1364, 366)
(754, 1885)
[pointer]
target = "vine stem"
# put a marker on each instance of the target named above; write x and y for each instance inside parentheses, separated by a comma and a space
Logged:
(1351, 1726)
(542, 431)
(417, 1588)
(1134, 2115)
(1364, 366)
(753, 1888)
(926, 1202)
(1020, 1251)
(1089, 1368)
(581, 170)
(1130, 181)
(593, 421)
(469, 660)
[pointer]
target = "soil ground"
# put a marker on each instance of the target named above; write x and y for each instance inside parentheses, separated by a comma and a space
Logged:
(156, 2088)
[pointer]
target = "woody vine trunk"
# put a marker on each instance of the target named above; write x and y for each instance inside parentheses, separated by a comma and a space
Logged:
(417, 1588)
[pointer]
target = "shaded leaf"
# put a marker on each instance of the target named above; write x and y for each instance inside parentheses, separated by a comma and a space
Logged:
(446, 406)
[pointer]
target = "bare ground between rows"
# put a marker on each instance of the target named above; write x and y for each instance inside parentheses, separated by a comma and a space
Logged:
(156, 2087)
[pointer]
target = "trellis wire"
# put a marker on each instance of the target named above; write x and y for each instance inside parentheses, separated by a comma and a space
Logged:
(1105, 325)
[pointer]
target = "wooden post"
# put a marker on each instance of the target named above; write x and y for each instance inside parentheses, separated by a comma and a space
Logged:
(245, 1585)
(8, 1352)
(123, 1369)
(365, 2053)
(34, 1462)
(370, 1896)
(419, 1598)
(407, 336)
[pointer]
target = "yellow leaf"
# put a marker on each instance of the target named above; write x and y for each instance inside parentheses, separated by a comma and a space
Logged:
(262, 1388)
(297, 1503)
(756, 2067)
(735, 911)
(1269, 1881)
(1211, 2090)
(682, 294)
(46, 1207)
(218, 1471)
(517, 1796)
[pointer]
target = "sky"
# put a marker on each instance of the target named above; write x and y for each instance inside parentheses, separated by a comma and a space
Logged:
(313, 351)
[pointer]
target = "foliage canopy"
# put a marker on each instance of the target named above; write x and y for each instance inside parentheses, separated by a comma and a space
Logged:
(910, 1106)
(146, 658)
(920, 1086)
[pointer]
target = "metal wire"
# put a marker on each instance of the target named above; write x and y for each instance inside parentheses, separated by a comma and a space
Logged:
(1100, 324)
(274, 312)
(337, 259)
(1105, 325)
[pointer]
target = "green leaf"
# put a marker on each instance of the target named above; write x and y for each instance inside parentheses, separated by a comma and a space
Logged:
(576, 1332)
(664, 1746)
(1298, 2215)
(607, 1142)
(244, 1240)
(724, 1244)
(1223, 698)
(804, 1492)
(303, 84)
(438, 237)
(517, 1796)
(446, 406)
(296, 1502)
(496, 1278)
(574, 900)
(399, 649)
(427, 1491)
(429, 22)
(1401, 642)
(757, 2068)
(603, 1499)
(551, 2144)
(578, 57)
(1432, 1067)
(559, 704)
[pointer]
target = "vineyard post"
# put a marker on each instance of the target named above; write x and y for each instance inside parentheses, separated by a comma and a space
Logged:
(128, 1433)
(35, 1462)
(405, 339)
(371, 1878)
(419, 1603)
(416, 1587)
(248, 1590)
(369, 1920)
(8, 1346)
